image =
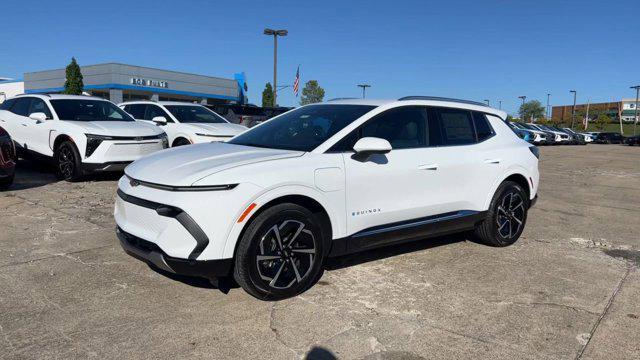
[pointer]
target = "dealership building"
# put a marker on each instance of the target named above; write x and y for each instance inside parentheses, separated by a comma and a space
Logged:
(617, 110)
(121, 82)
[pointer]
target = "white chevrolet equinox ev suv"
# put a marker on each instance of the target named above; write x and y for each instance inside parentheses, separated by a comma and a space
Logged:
(327, 180)
(80, 134)
(184, 123)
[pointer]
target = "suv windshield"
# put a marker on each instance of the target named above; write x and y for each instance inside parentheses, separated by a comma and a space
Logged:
(195, 114)
(302, 129)
(88, 110)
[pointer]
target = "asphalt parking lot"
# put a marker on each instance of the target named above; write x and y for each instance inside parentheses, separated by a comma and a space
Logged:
(568, 289)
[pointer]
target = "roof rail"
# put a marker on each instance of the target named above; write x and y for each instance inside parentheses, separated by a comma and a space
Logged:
(342, 98)
(437, 98)
(47, 95)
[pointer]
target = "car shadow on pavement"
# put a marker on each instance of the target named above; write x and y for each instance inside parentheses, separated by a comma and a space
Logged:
(36, 173)
(393, 250)
(226, 284)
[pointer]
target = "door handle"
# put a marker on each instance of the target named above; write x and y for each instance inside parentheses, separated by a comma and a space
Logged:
(492, 161)
(428, 167)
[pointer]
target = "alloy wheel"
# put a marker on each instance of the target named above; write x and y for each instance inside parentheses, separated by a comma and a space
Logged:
(511, 213)
(66, 162)
(286, 254)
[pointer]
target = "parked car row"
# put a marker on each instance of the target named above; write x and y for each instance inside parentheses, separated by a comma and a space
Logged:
(539, 134)
(247, 115)
(83, 134)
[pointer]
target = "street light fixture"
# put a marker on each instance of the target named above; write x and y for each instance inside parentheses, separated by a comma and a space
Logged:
(275, 34)
(548, 108)
(523, 97)
(573, 109)
(364, 87)
(635, 117)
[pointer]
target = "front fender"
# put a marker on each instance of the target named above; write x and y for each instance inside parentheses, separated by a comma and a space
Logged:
(326, 200)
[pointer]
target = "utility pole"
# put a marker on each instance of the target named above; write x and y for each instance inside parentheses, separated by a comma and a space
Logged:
(635, 117)
(523, 97)
(487, 100)
(364, 88)
(573, 109)
(548, 108)
(275, 34)
(499, 104)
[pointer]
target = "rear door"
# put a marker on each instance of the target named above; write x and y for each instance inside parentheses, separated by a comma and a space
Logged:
(16, 120)
(471, 159)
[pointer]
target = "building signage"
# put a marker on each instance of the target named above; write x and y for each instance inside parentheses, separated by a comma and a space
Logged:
(149, 82)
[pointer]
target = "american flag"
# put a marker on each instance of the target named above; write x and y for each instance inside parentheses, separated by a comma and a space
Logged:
(296, 82)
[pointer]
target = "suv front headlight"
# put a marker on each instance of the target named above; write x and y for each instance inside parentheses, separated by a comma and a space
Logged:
(93, 141)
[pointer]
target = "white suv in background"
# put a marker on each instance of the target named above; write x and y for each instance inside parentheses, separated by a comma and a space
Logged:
(326, 180)
(81, 134)
(184, 123)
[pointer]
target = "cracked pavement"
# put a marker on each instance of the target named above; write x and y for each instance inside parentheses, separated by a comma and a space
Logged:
(568, 289)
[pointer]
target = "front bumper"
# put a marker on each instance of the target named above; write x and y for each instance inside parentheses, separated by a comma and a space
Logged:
(152, 254)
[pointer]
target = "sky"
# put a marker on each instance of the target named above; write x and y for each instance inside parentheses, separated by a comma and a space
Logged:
(476, 50)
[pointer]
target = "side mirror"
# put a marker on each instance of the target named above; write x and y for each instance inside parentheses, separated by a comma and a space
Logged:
(38, 116)
(160, 120)
(372, 145)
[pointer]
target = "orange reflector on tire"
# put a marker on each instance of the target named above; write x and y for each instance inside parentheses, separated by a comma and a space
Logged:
(246, 212)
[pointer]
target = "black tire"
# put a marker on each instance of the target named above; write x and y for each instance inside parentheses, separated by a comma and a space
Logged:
(508, 207)
(181, 142)
(67, 161)
(269, 269)
(5, 183)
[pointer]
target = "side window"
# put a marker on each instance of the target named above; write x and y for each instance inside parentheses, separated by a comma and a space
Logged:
(483, 127)
(21, 106)
(404, 127)
(457, 127)
(136, 110)
(38, 105)
(153, 111)
(6, 105)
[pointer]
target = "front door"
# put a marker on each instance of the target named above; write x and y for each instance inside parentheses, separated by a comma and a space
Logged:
(406, 183)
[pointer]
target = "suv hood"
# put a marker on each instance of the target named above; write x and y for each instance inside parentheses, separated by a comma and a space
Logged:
(184, 165)
(117, 128)
(216, 129)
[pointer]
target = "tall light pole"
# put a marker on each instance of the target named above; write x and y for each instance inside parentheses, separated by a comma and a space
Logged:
(635, 117)
(364, 88)
(548, 108)
(523, 97)
(499, 104)
(573, 109)
(275, 34)
(487, 100)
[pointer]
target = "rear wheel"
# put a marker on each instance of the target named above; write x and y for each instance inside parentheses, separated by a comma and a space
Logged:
(67, 158)
(280, 254)
(506, 217)
(181, 142)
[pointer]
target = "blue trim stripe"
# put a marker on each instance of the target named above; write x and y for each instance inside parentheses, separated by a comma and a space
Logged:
(141, 88)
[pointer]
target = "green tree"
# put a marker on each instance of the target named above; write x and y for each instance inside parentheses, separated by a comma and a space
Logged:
(510, 118)
(531, 110)
(267, 95)
(602, 120)
(73, 85)
(311, 93)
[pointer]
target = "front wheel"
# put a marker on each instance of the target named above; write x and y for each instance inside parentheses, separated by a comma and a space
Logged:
(506, 216)
(280, 254)
(68, 166)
